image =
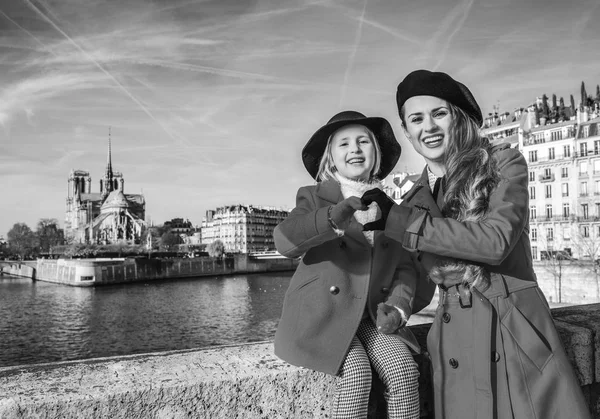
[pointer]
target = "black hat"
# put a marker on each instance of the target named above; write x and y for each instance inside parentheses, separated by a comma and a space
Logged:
(390, 149)
(438, 84)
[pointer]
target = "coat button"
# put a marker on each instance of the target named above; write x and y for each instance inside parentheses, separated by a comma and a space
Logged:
(385, 290)
(334, 290)
(453, 363)
(385, 245)
(342, 244)
(446, 317)
(495, 356)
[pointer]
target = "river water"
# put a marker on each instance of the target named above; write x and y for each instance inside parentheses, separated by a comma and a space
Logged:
(44, 322)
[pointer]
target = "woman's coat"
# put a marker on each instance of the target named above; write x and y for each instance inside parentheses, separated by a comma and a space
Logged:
(338, 278)
(497, 355)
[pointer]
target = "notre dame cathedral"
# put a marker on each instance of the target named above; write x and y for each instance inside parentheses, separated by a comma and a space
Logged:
(108, 216)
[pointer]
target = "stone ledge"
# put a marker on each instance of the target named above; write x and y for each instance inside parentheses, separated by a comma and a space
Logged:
(245, 381)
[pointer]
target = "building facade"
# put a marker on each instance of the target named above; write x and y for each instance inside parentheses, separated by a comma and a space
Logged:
(241, 228)
(104, 217)
(563, 158)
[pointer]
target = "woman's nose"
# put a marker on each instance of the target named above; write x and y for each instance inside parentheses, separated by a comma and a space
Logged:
(429, 124)
(355, 147)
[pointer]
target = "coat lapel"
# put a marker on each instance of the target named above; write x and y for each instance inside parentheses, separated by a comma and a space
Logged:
(421, 197)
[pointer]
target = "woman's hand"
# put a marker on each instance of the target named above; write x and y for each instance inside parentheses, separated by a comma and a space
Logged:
(342, 212)
(389, 318)
(385, 204)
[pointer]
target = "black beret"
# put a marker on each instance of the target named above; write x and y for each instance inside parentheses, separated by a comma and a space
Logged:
(438, 84)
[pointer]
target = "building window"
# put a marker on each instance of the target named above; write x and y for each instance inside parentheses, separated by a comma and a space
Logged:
(597, 147)
(533, 156)
(567, 233)
(532, 192)
(567, 151)
(583, 168)
(534, 234)
(565, 172)
(565, 210)
(556, 135)
(597, 209)
(586, 231)
(548, 211)
(565, 189)
(550, 233)
(534, 252)
(585, 211)
(596, 166)
(532, 176)
(533, 212)
(583, 149)
(547, 173)
(583, 190)
(551, 153)
(548, 191)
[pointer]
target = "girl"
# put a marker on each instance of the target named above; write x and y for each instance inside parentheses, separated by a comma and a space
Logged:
(335, 298)
(494, 348)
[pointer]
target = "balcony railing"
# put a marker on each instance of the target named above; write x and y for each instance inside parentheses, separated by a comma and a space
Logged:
(546, 178)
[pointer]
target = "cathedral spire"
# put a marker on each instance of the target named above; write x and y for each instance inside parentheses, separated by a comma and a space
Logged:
(108, 174)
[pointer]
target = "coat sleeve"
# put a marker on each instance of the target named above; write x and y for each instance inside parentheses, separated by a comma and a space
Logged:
(404, 285)
(489, 241)
(306, 226)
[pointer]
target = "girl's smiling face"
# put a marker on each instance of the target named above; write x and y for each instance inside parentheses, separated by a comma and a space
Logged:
(353, 152)
(427, 121)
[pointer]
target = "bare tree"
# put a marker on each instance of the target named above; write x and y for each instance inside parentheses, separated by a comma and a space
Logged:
(589, 250)
(554, 261)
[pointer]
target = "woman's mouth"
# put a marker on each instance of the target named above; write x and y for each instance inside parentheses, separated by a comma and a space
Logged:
(433, 141)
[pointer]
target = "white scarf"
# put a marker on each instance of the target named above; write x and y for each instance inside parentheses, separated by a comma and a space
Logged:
(357, 188)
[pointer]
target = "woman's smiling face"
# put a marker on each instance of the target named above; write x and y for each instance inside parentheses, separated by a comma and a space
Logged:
(353, 152)
(427, 121)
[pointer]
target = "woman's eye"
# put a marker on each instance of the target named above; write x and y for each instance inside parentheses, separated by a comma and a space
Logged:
(440, 114)
(365, 141)
(416, 120)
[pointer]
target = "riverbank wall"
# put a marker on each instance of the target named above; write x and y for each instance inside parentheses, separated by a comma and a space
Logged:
(93, 272)
(242, 381)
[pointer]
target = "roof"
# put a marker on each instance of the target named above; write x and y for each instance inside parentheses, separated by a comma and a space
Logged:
(116, 199)
(552, 126)
(409, 178)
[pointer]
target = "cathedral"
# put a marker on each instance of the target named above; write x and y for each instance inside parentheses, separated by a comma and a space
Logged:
(105, 217)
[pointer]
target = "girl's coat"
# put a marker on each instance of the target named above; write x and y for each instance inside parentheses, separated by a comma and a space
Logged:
(337, 279)
(501, 357)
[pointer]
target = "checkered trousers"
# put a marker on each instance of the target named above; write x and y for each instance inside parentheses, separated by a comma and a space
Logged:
(394, 364)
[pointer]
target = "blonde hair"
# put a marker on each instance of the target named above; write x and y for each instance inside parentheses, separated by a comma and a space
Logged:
(327, 167)
(471, 176)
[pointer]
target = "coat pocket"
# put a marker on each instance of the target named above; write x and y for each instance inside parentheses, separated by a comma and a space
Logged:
(529, 339)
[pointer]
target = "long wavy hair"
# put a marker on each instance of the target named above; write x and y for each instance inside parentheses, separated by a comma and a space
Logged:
(471, 176)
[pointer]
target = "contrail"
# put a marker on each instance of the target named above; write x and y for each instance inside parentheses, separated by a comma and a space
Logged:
(457, 28)
(26, 31)
(107, 73)
(353, 55)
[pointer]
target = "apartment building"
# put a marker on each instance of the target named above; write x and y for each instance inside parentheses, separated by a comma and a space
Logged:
(564, 181)
(242, 228)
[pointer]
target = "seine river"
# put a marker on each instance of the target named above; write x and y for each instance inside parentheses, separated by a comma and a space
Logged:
(44, 322)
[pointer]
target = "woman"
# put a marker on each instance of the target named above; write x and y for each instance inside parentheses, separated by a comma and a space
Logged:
(335, 298)
(494, 348)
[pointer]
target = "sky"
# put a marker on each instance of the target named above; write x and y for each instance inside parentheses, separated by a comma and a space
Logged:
(209, 102)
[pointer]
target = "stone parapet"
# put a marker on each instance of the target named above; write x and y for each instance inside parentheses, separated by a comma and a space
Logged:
(242, 381)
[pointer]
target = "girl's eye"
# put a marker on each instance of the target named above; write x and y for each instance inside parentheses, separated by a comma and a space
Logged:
(365, 141)
(416, 120)
(440, 114)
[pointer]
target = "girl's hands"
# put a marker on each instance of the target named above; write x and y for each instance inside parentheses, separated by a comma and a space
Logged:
(342, 212)
(385, 204)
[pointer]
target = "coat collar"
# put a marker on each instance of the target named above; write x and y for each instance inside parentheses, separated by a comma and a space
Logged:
(330, 191)
(420, 196)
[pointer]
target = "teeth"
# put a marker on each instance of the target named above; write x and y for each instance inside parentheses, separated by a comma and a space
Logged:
(432, 139)
(356, 160)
